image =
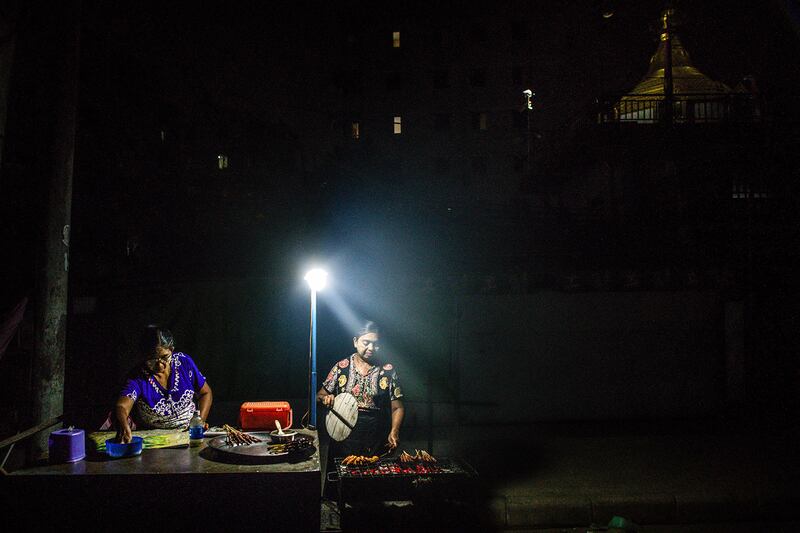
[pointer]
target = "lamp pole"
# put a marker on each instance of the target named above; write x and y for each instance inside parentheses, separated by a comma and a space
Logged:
(316, 281)
(313, 383)
(528, 109)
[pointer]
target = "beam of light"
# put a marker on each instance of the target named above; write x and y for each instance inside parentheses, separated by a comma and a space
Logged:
(316, 279)
(351, 302)
(400, 353)
(343, 312)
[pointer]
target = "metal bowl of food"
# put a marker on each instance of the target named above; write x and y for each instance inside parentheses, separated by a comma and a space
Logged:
(281, 437)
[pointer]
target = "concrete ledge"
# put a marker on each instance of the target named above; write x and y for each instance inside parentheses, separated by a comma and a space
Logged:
(552, 509)
(498, 512)
(548, 510)
(779, 506)
(715, 507)
(640, 508)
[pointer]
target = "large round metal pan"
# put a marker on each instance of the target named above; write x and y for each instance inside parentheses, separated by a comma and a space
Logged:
(259, 451)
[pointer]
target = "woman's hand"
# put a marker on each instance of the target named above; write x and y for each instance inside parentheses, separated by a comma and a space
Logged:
(121, 412)
(327, 401)
(398, 412)
(124, 434)
(204, 399)
(394, 439)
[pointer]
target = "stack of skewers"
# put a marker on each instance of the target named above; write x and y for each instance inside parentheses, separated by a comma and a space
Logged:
(234, 437)
(290, 447)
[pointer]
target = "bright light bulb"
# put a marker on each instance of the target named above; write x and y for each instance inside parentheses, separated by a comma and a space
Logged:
(316, 279)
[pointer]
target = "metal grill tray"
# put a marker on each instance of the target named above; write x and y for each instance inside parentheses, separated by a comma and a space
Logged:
(443, 467)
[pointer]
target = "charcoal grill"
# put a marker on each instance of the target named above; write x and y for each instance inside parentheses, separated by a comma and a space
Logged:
(389, 479)
(448, 486)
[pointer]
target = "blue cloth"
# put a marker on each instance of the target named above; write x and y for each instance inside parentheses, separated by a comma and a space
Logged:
(173, 407)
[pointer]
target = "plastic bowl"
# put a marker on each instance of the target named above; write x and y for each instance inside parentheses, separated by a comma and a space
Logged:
(288, 436)
(115, 449)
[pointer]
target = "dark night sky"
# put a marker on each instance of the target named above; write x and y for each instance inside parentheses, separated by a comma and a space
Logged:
(273, 60)
(254, 52)
(247, 55)
(275, 64)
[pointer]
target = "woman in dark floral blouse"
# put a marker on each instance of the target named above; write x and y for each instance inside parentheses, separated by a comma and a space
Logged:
(378, 395)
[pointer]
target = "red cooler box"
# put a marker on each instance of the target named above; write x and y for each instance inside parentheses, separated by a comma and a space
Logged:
(262, 415)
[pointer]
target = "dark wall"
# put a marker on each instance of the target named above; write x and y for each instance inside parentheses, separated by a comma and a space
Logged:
(592, 355)
(249, 338)
(510, 357)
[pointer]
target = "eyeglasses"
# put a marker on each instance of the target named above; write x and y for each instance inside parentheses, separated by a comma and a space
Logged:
(164, 358)
(375, 345)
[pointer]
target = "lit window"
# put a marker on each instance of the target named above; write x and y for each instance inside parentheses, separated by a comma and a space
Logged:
(743, 191)
(398, 125)
(355, 130)
(480, 121)
(222, 161)
(395, 39)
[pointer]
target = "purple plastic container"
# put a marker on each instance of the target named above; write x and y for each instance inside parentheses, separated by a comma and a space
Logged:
(67, 445)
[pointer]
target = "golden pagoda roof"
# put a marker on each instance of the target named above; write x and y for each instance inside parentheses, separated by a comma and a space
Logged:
(695, 96)
(686, 78)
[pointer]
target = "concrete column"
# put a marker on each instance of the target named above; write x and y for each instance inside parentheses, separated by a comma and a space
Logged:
(52, 266)
(7, 42)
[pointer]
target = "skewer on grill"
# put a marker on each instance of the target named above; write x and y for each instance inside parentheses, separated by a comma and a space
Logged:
(360, 460)
(419, 455)
(428, 458)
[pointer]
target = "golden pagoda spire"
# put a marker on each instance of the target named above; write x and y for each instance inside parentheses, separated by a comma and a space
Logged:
(666, 25)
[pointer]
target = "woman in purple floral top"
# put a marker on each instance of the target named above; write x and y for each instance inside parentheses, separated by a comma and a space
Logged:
(162, 392)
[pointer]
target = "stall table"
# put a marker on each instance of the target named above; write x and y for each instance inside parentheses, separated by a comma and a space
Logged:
(184, 488)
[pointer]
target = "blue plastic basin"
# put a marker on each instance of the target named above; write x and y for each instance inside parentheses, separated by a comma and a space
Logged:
(115, 449)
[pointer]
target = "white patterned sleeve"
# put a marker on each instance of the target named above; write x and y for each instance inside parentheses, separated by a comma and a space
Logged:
(131, 389)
